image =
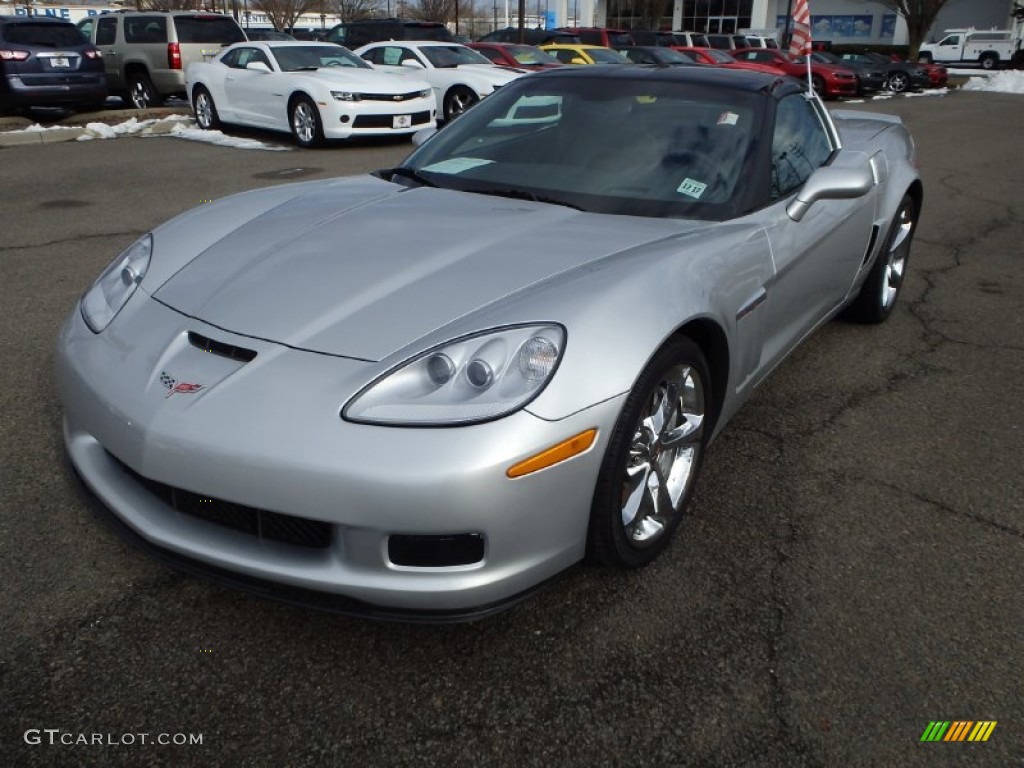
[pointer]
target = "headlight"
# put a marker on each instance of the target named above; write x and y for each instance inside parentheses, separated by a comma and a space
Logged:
(474, 379)
(115, 286)
(346, 96)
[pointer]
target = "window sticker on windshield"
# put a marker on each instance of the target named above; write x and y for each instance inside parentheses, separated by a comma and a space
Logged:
(456, 165)
(692, 188)
(646, 99)
(728, 118)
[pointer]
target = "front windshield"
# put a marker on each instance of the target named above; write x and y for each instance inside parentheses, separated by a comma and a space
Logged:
(295, 58)
(529, 56)
(644, 146)
(606, 56)
(669, 56)
(447, 56)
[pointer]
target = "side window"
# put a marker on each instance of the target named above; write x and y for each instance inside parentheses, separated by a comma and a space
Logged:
(86, 26)
(800, 145)
(491, 54)
(391, 56)
(106, 30)
(145, 29)
(951, 40)
(230, 59)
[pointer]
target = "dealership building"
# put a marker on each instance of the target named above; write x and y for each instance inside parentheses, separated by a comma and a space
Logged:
(838, 21)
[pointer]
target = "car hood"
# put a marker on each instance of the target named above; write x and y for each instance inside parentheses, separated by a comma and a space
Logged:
(367, 78)
(362, 269)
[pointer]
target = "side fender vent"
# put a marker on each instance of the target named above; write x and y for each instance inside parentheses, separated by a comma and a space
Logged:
(871, 245)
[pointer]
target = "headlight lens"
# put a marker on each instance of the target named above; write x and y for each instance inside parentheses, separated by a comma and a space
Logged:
(115, 286)
(478, 378)
(346, 96)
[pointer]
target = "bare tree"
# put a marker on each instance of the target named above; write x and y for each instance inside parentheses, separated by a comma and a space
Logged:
(432, 10)
(284, 13)
(919, 15)
(354, 10)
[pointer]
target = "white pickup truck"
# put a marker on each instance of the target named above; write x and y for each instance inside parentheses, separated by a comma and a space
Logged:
(989, 48)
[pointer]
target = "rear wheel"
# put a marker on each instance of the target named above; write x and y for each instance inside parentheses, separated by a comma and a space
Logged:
(204, 109)
(304, 119)
(141, 92)
(652, 460)
(878, 295)
(989, 61)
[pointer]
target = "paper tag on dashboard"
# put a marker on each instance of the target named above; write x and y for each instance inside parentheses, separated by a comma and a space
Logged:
(692, 188)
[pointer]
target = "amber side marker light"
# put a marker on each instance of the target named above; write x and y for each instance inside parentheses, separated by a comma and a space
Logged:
(566, 449)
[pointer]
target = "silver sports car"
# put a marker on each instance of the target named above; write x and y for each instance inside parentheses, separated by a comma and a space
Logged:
(426, 391)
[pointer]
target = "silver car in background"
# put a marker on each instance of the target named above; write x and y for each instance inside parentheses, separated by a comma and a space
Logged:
(424, 392)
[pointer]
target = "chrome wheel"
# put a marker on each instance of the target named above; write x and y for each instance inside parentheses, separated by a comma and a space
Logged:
(898, 82)
(662, 458)
(305, 121)
(204, 110)
(458, 100)
(881, 287)
(896, 259)
(652, 459)
(141, 93)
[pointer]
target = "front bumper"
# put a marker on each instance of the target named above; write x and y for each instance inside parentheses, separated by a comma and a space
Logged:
(343, 120)
(267, 434)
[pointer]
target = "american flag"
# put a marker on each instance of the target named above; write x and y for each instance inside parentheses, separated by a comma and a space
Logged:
(800, 42)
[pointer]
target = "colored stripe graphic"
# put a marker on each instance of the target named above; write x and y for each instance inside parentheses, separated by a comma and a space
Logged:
(958, 730)
(935, 731)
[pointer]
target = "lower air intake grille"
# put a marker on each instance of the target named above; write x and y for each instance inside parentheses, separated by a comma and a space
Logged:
(386, 121)
(272, 526)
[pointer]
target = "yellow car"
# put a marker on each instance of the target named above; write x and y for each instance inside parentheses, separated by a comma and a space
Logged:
(584, 54)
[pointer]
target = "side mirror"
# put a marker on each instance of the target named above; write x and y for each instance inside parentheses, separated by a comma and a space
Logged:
(258, 66)
(412, 64)
(831, 184)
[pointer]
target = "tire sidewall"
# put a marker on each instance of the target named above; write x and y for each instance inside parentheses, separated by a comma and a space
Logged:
(201, 92)
(607, 543)
(318, 132)
(449, 99)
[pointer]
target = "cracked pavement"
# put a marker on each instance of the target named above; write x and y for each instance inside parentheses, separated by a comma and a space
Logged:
(850, 570)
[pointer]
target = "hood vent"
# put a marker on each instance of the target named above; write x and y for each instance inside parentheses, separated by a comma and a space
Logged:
(220, 348)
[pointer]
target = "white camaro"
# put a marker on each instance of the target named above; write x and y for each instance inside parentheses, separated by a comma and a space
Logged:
(316, 91)
(459, 75)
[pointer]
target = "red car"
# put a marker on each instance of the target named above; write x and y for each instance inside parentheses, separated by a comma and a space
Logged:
(938, 75)
(718, 58)
(829, 81)
(516, 55)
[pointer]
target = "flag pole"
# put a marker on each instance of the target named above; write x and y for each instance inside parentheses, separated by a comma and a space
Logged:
(800, 41)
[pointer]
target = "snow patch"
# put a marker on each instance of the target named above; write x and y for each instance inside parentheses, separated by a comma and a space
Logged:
(131, 127)
(221, 140)
(37, 128)
(1005, 81)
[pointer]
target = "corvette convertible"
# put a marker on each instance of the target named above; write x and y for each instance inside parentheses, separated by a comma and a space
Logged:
(317, 91)
(434, 423)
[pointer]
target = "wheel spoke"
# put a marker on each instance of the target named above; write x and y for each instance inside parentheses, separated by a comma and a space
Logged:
(634, 494)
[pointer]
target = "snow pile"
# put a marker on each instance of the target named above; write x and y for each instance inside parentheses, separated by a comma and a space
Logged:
(37, 128)
(1006, 81)
(930, 92)
(221, 140)
(132, 127)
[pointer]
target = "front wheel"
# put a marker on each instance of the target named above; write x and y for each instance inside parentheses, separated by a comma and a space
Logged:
(818, 84)
(899, 82)
(652, 459)
(458, 100)
(204, 109)
(304, 119)
(878, 294)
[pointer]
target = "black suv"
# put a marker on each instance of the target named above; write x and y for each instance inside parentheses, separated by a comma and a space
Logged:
(353, 34)
(47, 62)
(530, 36)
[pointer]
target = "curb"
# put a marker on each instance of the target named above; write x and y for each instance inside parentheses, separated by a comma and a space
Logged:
(55, 136)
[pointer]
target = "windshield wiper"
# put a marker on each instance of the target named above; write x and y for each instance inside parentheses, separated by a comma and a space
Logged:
(405, 173)
(522, 194)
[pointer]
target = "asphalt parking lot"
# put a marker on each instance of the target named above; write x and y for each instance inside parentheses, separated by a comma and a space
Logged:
(851, 569)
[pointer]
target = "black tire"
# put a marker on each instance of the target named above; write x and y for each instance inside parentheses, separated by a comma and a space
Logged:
(304, 119)
(141, 93)
(989, 61)
(898, 82)
(878, 294)
(458, 99)
(204, 109)
(640, 474)
(818, 84)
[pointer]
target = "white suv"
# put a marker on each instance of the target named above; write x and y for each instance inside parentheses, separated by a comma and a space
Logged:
(146, 52)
